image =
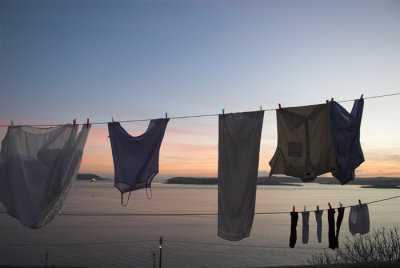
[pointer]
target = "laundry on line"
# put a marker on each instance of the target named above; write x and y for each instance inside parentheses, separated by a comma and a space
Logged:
(312, 140)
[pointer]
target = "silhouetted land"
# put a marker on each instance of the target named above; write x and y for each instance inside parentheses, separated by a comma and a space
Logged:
(378, 182)
(88, 177)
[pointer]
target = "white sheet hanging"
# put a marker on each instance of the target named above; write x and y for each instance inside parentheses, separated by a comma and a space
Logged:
(37, 169)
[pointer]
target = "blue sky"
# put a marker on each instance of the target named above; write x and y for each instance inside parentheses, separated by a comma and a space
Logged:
(61, 60)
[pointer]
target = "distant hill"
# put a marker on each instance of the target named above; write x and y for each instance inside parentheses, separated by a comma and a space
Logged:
(88, 177)
(378, 182)
(214, 181)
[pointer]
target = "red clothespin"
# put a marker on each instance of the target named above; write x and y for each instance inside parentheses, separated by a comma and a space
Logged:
(279, 106)
(330, 207)
(166, 116)
(294, 209)
(87, 123)
(74, 122)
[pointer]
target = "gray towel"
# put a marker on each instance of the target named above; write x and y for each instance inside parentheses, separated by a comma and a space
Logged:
(238, 157)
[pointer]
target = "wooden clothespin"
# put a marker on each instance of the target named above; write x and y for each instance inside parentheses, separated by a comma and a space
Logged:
(359, 202)
(112, 118)
(340, 205)
(74, 122)
(304, 208)
(330, 207)
(12, 122)
(87, 123)
(261, 108)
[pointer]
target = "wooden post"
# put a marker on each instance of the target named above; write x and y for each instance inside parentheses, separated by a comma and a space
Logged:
(46, 258)
(160, 251)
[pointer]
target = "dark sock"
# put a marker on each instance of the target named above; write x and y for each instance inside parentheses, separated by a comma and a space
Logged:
(338, 224)
(331, 231)
(293, 233)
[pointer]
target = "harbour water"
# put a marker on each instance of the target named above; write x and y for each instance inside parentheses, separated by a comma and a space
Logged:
(108, 239)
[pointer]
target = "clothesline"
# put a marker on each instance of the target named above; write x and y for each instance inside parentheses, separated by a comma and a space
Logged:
(194, 116)
(200, 214)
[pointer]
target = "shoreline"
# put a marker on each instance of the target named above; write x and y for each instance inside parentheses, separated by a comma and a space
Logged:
(376, 183)
(368, 183)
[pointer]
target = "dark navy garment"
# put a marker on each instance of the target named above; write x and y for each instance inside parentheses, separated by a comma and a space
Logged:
(346, 136)
(136, 158)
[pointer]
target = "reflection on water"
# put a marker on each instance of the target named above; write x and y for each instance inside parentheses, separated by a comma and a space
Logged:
(189, 241)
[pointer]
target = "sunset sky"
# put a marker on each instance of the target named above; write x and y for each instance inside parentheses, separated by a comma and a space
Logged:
(61, 60)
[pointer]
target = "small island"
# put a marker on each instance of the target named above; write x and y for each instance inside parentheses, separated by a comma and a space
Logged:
(214, 181)
(90, 177)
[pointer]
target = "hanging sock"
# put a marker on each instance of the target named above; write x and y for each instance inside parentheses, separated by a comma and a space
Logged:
(238, 158)
(37, 169)
(135, 158)
(305, 230)
(338, 224)
(293, 232)
(331, 226)
(359, 219)
(318, 219)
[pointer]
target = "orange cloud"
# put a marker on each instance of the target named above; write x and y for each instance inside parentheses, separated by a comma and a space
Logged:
(380, 163)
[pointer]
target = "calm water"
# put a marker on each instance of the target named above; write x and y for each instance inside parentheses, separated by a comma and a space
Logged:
(189, 241)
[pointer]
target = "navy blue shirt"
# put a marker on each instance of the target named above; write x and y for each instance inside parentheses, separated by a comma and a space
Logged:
(346, 135)
(136, 158)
